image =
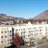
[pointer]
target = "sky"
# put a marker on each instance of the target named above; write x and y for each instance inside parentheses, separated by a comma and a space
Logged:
(23, 8)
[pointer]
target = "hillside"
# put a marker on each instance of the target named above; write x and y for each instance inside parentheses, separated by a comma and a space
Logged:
(42, 16)
(5, 19)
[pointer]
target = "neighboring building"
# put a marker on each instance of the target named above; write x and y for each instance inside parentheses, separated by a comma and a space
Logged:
(27, 31)
(5, 36)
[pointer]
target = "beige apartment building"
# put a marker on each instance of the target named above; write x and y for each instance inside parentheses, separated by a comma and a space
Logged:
(5, 36)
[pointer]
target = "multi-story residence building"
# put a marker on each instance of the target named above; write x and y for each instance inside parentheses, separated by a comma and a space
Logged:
(31, 30)
(5, 36)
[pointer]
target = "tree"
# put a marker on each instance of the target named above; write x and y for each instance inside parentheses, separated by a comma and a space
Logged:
(16, 40)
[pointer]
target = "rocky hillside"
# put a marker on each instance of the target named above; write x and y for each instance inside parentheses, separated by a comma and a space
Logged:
(5, 19)
(42, 16)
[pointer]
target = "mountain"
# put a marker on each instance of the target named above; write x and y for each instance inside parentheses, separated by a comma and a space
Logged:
(20, 18)
(42, 16)
(5, 19)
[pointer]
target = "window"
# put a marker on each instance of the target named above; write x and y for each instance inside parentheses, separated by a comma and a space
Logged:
(24, 36)
(24, 32)
(16, 29)
(10, 40)
(24, 29)
(1, 31)
(10, 31)
(21, 33)
(40, 21)
(40, 30)
(5, 31)
(1, 41)
(28, 35)
(21, 29)
(47, 22)
(5, 36)
(1, 36)
(10, 35)
(46, 27)
(39, 27)
(29, 28)
(46, 33)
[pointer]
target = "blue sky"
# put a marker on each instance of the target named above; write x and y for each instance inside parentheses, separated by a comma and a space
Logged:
(23, 8)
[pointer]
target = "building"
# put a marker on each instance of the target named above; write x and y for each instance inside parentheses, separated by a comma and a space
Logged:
(5, 36)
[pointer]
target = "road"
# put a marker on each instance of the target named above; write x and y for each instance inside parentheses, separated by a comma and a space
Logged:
(43, 46)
